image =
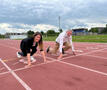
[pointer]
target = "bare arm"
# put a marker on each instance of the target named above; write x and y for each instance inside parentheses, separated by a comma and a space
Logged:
(44, 57)
(28, 58)
(72, 46)
(60, 56)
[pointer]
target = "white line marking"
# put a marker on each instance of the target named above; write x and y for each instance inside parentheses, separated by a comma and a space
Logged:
(65, 57)
(104, 51)
(4, 73)
(17, 77)
(2, 68)
(23, 68)
(91, 48)
(78, 50)
(102, 73)
(10, 47)
(15, 63)
(97, 56)
(74, 65)
(83, 54)
(58, 54)
(33, 66)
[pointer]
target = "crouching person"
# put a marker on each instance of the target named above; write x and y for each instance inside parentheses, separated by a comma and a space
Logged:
(29, 46)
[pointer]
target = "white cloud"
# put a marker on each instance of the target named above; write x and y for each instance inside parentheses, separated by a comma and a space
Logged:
(85, 23)
(44, 27)
(43, 14)
(5, 27)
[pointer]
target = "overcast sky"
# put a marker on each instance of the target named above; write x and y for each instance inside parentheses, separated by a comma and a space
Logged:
(24, 15)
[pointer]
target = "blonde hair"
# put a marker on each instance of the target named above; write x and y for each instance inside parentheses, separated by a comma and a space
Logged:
(40, 41)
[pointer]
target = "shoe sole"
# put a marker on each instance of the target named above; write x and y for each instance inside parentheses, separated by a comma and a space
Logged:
(47, 49)
(18, 55)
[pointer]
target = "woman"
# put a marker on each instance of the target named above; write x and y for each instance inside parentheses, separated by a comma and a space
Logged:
(29, 46)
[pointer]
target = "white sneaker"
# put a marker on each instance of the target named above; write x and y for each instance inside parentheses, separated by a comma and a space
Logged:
(18, 55)
(21, 60)
(25, 62)
(32, 59)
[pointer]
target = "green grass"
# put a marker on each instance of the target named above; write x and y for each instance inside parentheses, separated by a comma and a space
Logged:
(84, 38)
(87, 38)
(50, 38)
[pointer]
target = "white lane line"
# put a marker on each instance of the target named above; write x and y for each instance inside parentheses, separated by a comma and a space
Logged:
(102, 73)
(16, 63)
(81, 67)
(104, 51)
(23, 68)
(78, 50)
(33, 66)
(97, 57)
(2, 68)
(16, 76)
(65, 57)
(92, 48)
(4, 73)
(56, 55)
(83, 53)
(10, 47)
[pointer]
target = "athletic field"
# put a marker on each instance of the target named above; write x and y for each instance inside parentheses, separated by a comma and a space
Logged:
(85, 71)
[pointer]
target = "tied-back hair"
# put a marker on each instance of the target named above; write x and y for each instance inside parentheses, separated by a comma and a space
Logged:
(40, 41)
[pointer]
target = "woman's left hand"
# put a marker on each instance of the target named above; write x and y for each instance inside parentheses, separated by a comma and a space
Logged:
(43, 53)
(45, 61)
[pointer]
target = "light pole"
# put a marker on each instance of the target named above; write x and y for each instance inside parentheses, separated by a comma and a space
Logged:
(59, 22)
(60, 30)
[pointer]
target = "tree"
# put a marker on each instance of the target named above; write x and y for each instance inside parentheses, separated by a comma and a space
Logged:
(60, 30)
(30, 33)
(94, 30)
(104, 31)
(51, 32)
(42, 32)
(2, 36)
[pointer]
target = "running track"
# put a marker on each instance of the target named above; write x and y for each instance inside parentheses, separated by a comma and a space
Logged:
(85, 71)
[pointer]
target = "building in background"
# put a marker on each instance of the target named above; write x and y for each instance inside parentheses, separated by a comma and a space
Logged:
(99, 30)
(16, 35)
(80, 31)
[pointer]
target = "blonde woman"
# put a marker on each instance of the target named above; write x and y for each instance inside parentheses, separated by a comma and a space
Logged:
(29, 46)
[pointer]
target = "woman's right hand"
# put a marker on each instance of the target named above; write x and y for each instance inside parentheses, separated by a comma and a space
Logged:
(27, 66)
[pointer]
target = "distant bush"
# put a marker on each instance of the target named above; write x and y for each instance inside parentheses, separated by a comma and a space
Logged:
(2, 36)
(30, 33)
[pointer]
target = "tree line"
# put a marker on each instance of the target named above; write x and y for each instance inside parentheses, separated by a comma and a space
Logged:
(48, 33)
(96, 30)
(2, 36)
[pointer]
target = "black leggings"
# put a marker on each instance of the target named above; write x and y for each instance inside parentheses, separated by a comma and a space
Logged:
(24, 51)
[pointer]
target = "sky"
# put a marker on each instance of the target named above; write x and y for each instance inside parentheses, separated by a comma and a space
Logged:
(42, 15)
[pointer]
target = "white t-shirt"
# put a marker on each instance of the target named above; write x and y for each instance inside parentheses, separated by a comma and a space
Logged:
(63, 37)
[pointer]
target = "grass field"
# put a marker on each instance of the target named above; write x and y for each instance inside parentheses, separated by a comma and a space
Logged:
(86, 38)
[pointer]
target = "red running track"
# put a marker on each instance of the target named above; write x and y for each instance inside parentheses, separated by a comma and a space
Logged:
(85, 71)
